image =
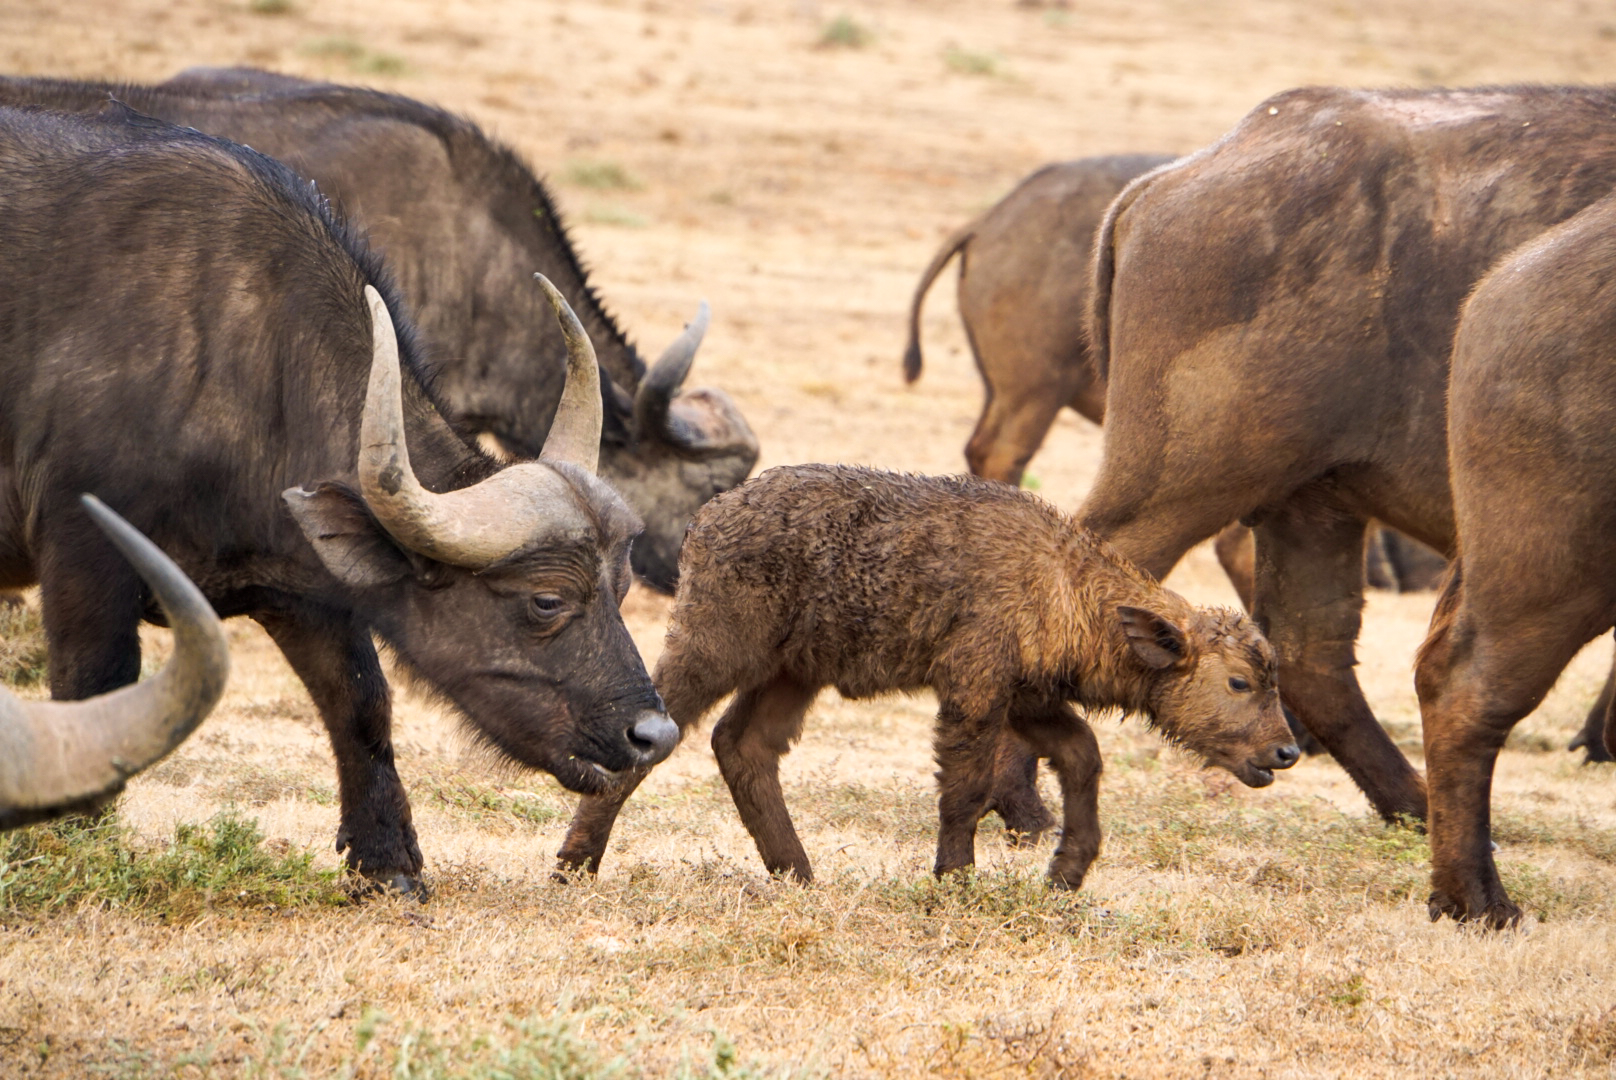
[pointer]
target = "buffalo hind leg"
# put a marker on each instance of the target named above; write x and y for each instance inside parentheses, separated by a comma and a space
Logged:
(690, 683)
(1015, 795)
(1479, 673)
(1308, 599)
(90, 601)
(337, 663)
(967, 749)
(1066, 739)
(755, 732)
(1592, 737)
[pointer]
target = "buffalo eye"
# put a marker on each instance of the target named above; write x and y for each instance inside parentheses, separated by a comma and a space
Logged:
(1238, 684)
(545, 607)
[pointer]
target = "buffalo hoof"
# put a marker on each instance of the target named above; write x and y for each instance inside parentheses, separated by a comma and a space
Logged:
(1595, 748)
(411, 886)
(1496, 914)
(1068, 880)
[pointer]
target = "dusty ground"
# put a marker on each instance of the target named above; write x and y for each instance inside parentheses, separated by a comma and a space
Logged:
(801, 189)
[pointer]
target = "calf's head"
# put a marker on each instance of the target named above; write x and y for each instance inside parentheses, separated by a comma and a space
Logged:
(686, 446)
(504, 595)
(1213, 688)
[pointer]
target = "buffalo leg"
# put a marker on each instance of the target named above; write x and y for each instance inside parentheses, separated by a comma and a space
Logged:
(1481, 670)
(1592, 736)
(966, 750)
(1010, 431)
(90, 604)
(337, 663)
(755, 732)
(690, 683)
(1309, 601)
(1066, 739)
(1015, 795)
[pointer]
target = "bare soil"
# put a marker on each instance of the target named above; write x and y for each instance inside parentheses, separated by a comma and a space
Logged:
(743, 152)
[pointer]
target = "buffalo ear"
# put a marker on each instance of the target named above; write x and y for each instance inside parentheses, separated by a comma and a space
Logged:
(1155, 640)
(351, 543)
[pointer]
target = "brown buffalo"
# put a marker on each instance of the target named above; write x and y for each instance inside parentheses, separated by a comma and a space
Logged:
(1532, 438)
(1274, 315)
(61, 757)
(820, 575)
(1023, 287)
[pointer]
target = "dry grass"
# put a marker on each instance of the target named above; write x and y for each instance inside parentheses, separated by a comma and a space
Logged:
(1223, 933)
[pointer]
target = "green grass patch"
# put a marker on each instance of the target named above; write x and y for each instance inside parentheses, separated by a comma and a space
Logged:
(224, 862)
(602, 176)
(23, 654)
(844, 32)
(616, 215)
(491, 806)
(359, 59)
(968, 62)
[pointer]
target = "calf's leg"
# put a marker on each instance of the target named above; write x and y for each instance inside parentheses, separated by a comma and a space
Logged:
(749, 740)
(1015, 795)
(1055, 730)
(690, 683)
(966, 748)
(334, 657)
(1308, 599)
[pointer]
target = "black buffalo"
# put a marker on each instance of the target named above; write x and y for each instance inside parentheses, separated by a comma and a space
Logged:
(463, 225)
(188, 332)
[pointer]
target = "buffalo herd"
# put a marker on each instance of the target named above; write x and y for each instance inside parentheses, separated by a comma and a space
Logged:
(355, 383)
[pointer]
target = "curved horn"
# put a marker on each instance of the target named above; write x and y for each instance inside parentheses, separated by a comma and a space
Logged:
(656, 390)
(472, 527)
(58, 756)
(575, 431)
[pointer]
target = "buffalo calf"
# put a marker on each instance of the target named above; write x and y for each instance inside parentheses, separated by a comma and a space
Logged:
(869, 581)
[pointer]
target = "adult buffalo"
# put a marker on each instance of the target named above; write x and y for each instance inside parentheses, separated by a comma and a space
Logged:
(62, 757)
(463, 225)
(1274, 315)
(1023, 291)
(1023, 297)
(1531, 401)
(188, 332)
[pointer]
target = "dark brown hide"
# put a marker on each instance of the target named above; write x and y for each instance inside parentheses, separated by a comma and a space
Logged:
(871, 582)
(1274, 314)
(464, 224)
(1532, 434)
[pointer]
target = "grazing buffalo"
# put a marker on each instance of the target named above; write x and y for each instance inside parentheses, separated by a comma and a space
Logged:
(188, 332)
(1532, 442)
(1274, 315)
(463, 225)
(63, 757)
(821, 575)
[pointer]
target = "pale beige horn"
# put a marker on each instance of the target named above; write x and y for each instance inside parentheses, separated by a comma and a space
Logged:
(60, 756)
(575, 432)
(477, 526)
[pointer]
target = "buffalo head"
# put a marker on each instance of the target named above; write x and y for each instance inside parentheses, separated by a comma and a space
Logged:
(503, 595)
(686, 446)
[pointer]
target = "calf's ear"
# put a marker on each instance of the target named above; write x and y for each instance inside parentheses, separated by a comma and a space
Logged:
(1155, 640)
(351, 543)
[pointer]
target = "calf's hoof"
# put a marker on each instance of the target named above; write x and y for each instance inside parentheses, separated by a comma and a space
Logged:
(1497, 913)
(1594, 749)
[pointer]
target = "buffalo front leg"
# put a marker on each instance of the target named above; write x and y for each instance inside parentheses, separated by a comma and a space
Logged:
(1308, 599)
(1056, 731)
(334, 657)
(755, 732)
(1479, 673)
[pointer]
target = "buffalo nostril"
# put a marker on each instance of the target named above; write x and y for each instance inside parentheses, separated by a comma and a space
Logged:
(653, 737)
(1286, 756)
